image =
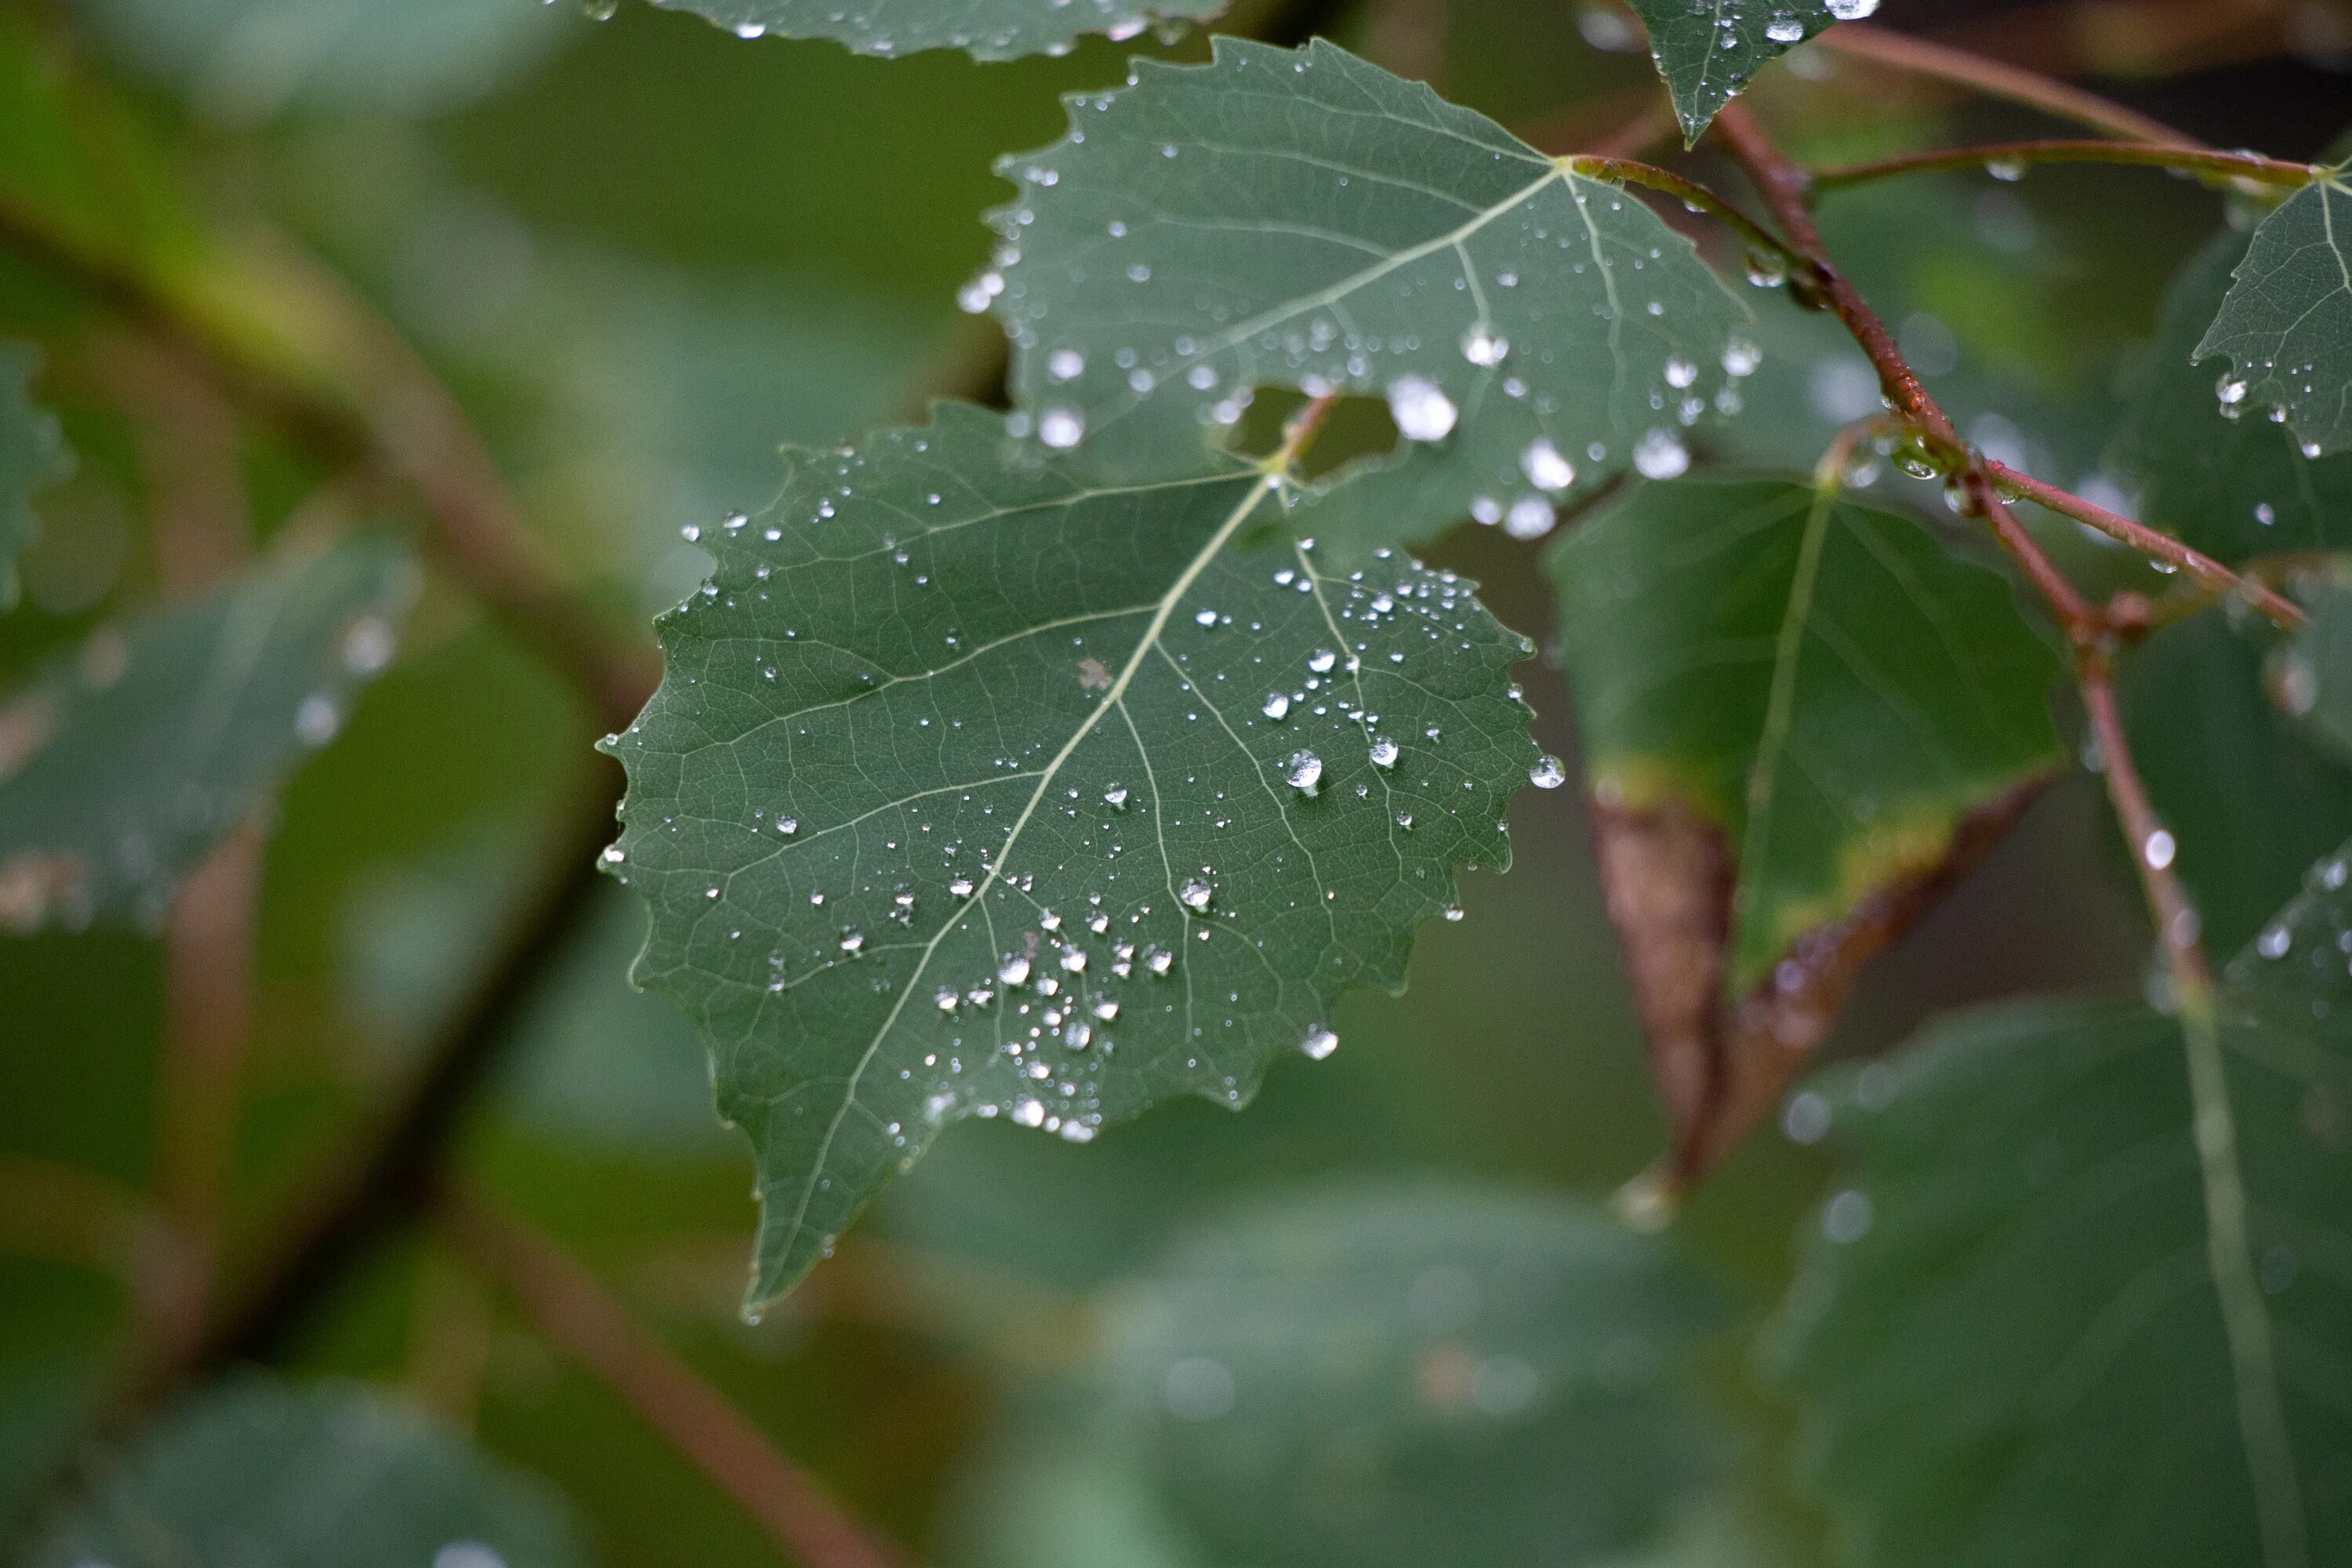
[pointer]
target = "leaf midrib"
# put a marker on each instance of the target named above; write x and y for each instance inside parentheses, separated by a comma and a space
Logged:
(1144, 647)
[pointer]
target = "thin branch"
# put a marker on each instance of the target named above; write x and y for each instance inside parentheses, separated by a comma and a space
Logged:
(2019, 155)
(1690, 193)
(385, 1180)
(566, 1304)
(398, 421)
(2229, 1247)
(208, 965)
(2012, 84)
(2157, 546)
(2246, 1322)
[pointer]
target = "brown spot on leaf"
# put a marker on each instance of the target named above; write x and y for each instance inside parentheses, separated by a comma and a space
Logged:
(1093, 674)
(1721, 1069)
(1666, 874)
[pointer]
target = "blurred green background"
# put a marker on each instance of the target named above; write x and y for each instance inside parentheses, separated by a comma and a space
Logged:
(642, 253)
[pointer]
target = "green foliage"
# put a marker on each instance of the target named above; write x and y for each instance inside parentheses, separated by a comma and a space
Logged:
(2286, 324)
(1706, 50)
(2208, 738)
(2312, 677)
(245, 59)
(122, 764)
(269, 1474)
(2215, 474)
(1822, 679)
(981, 783)
(2022, 1251)
(32, 455)
(1301, 219)
(987, 29)
(1422, 1377)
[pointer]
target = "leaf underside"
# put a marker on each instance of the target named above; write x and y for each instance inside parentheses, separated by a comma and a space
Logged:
(1828, 686)
(33, 455)
(987, 29)
(1301, 219)
(980, 783)
(1504, 1400)
(1707, 49)
(331, 1475)
(123, 765)
(2221, 476)
(2286, 324)
(2010, 1344)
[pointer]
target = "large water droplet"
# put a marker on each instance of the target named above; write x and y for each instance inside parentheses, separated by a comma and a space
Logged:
(1422, 411)
(1661, 455)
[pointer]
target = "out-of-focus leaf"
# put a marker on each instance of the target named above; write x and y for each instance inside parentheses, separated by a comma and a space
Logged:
(123, 766)
(248, 59)
(979, 783)
(1424, 1376)
(2008, 1337)
(1792, 706)
(2311, 677)
(1706, 50)
(1303, 219)
(32, 454)
(258, 1474)
(2213, 473)
(2286, 324)
(2250, 801)
(986, 30)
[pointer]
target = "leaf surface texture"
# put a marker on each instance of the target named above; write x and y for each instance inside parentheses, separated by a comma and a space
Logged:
(979, 783)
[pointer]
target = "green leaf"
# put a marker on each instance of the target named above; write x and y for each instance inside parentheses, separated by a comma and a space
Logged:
(33, 455)
(248, 59)
(123, 766)
(986, 30)
(1706, 50)
(2250, 800)
(981, 783)
(2007, 1338)
(2213, 474)
(1303, 219)
(1827, 684)
(2312, 676)
(1416, 1376)
(262, 1474)
(2287, 322)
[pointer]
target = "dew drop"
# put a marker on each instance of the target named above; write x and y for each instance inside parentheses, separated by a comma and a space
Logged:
(1545, 467)
(1319, 1043)
(1548, 772)
(1661, 455)
(1422, 411)
(1060, 428)
(1306, 771)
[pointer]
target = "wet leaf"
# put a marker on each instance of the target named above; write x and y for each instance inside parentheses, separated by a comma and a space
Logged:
(2286, 326)
(244, 60)
(328, 1475)
(981, 783)
(1800, 716)
(2250, 798)
(2008, 1337)
(1706, 50)
(32, 455)
(2219, 476)
(1301, 219)
(986, 30)
(121, 766)
(1424, 1376)
(2311, 677)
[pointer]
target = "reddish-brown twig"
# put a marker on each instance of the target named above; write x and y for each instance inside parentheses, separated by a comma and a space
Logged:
(2017, 155)
(564, 1302)
(1995, 78)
